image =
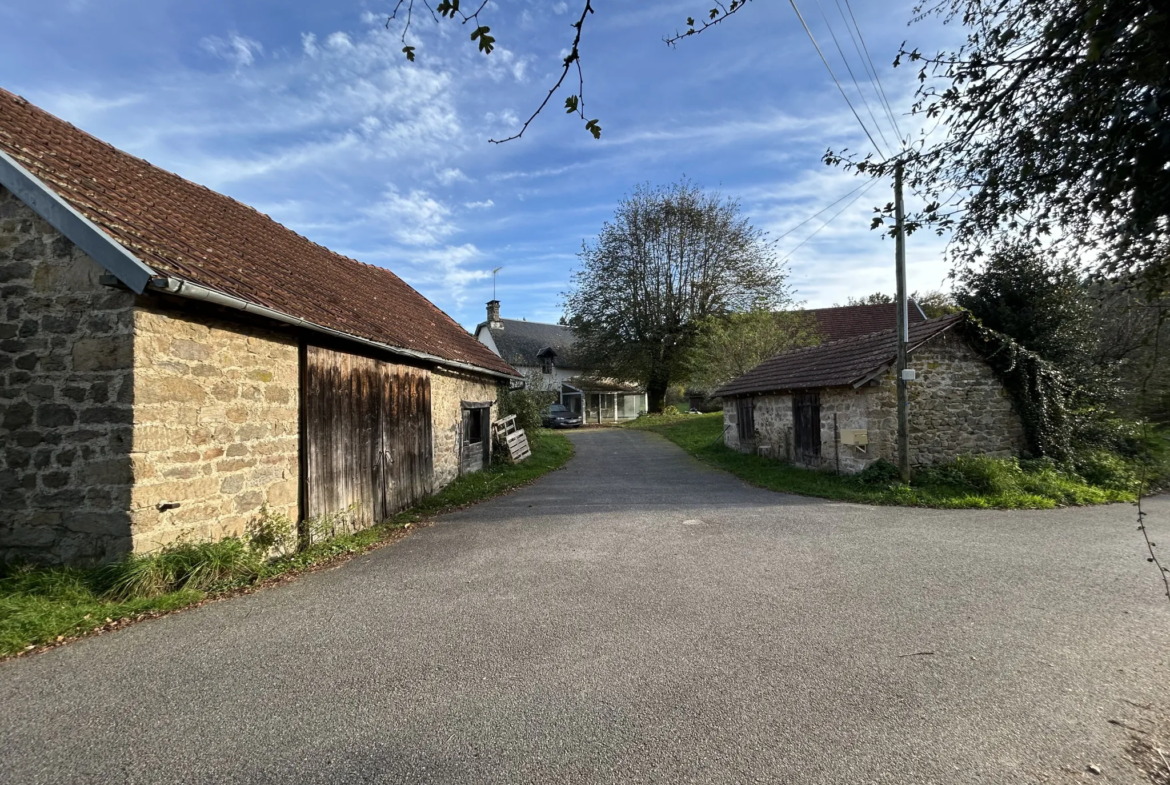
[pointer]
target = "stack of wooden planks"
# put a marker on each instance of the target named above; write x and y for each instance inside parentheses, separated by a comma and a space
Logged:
(508, 435)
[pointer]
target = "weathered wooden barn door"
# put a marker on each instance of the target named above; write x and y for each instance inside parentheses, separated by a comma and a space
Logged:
(806, 426)
(745, 423)
(367, 435)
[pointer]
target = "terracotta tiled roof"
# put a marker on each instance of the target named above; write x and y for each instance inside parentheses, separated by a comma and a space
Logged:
(187, 231)
(849, 321)
(834, 364)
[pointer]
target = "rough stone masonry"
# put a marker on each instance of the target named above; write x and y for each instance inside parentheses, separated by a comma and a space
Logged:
(957, 407)
(127, 422)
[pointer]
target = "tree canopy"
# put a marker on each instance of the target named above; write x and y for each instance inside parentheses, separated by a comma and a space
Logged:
(730, 345)
(671, 257)
(1053, 122)
(1039, 303)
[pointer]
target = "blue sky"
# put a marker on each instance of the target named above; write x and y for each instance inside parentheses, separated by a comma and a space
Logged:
(308, 111)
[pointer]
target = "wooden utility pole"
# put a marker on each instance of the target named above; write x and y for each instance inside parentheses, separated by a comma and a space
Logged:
(903, 330)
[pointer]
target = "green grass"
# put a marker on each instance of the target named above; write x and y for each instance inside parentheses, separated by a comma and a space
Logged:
(968, 482)
(40, 606)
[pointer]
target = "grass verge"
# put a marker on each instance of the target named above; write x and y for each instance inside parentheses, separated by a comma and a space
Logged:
(968, 482)
(42, 606)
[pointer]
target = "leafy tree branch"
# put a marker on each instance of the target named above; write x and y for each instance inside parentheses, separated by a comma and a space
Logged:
(481, 35)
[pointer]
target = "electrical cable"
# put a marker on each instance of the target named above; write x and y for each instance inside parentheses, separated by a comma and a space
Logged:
(875, 74)
(869, 70)
(869, 185)
(837, 81)
(853, 76)
(822, 210)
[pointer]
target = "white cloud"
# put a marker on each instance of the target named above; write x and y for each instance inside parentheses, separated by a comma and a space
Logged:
(80, 108)
(452, 175)
(447, 270)
(309, 44)
(486, 203)
(414, 219)
(339, 42)
(239, 50)
(560, 8)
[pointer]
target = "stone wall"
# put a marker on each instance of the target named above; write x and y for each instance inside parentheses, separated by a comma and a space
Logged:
(216, 412)
(111, 404)
(957, 407)
(66, 391)
(448, 390)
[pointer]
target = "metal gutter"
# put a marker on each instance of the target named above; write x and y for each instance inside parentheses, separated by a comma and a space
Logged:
(84, 233)
(193, 291)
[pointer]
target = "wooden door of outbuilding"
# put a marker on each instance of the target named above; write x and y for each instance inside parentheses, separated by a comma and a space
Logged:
(806, 427)
(366, 435)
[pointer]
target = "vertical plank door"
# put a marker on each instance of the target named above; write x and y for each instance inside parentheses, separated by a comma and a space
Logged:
(367, 435)
(806, 422)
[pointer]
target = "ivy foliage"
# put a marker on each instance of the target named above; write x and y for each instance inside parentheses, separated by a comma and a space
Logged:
(1040, 392)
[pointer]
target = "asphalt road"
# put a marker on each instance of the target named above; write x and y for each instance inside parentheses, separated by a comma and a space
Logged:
(635, 617)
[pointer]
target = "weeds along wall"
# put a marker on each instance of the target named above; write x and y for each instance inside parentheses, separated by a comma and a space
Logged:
(958, 406)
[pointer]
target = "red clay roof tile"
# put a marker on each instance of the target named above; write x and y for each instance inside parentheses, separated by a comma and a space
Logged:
(849, 321)
(185, 230)
(833, 364)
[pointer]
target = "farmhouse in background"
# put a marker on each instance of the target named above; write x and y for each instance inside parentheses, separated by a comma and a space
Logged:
(172, 360)
(833, 406)
(544, 354)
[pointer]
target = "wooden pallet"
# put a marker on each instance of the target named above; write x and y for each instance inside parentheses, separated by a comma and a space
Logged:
(512, 437)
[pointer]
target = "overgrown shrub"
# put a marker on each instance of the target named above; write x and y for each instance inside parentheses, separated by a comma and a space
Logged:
(1106, 469)
(984, 474)
(880, 472)
(527, 405)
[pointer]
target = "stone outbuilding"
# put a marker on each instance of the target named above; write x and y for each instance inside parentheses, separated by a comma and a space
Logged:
(834, 406)
(171, 360)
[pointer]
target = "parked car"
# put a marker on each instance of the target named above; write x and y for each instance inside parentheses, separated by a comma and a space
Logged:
(559, 416)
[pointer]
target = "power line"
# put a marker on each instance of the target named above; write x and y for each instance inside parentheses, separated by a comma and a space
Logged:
(872, 66)
(819, 212)
(817, 46)
(869, 185)
(870, 71)
(852, 76)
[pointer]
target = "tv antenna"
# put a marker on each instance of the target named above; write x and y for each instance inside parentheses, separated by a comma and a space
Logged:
(495, 272)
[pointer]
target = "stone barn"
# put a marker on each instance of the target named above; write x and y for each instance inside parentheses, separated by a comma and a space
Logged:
(171, 360)
(834, 406)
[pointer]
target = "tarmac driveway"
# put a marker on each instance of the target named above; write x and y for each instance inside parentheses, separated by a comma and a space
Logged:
(636, 617)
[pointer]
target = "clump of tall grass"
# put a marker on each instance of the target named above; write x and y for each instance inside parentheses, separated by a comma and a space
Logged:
(200, 566)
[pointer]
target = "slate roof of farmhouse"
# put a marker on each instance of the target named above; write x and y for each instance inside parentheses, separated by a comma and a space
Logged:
(183, 230)
(521, 342)
(849, 321)
(834, 364)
